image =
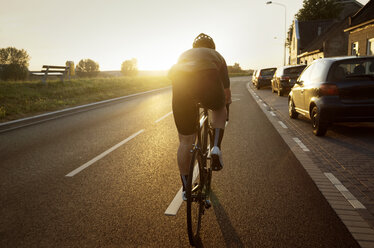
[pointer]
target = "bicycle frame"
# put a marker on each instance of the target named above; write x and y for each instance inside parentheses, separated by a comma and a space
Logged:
(198, 192)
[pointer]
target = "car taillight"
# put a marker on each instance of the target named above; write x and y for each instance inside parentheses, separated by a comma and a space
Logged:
(328, 90)
(284, 78)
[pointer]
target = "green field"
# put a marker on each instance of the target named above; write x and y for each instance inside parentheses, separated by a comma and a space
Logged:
(27, 98)
(23, 99)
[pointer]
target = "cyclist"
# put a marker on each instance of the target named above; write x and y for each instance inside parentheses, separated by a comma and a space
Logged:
(200, 76)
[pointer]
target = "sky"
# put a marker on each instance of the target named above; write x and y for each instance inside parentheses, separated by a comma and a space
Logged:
(155, 32)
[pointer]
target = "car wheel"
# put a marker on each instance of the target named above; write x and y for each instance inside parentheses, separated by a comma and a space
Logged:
(319, 126)
(291, 110)
(257, 86)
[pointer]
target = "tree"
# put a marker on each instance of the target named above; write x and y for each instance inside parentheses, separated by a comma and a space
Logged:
(87, 68)
(129, 67)
(14, 63)
(318, 10)
(234, 68)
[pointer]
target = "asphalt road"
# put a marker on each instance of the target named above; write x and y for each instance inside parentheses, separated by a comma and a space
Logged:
(262, 198)
(347, 150)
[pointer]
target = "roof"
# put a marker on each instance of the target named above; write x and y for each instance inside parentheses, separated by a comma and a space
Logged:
(364, 15)
(290, 66)
(308, 30)
(350, 7)
(332, 59)
(317, 44)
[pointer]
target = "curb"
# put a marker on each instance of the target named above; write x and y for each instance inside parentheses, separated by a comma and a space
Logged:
(361, 231)
(24, 122)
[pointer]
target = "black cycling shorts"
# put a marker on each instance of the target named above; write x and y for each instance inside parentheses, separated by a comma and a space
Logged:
(190, 88)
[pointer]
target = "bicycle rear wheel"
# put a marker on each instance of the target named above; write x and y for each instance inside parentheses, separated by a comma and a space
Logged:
(195, 201)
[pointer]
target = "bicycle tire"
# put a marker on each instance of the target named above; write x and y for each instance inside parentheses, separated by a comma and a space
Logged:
(204, 136)
(195, 203)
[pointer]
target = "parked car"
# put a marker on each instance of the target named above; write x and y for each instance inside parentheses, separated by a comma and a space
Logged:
(285, 78)
(263, 77)
(334, 90)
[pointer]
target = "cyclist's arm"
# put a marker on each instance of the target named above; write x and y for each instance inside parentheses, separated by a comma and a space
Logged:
(225, 81)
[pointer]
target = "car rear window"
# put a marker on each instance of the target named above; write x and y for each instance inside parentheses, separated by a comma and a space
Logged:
(294, 70)
(354, 69)
(268, 72)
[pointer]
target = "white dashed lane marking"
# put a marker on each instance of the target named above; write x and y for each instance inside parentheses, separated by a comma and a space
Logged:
(302, 146)
(282, 124)
(97, 158)
(176, 203)
(345, 192)
(163, 117)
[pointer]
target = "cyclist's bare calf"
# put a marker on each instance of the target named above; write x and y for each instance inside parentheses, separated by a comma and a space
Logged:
(185, 141)
(219, 118)
(184, 154)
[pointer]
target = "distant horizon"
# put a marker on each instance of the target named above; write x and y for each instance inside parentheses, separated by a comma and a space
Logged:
(251, 33)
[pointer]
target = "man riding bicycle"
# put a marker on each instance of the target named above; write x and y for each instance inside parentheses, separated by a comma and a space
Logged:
(200, 76)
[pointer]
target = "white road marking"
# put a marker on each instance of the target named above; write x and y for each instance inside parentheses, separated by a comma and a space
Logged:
(81, 106)
(302, 146)
(264, 105)
(235, 99)
(345, 192)
(79, 169)
(163, 117)
(282, 124)
(272, 113)
(176, 203)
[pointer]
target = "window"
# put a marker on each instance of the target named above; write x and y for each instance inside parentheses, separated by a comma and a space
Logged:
(316, 74)
(354, 48)
(304, 77)
(370, 47)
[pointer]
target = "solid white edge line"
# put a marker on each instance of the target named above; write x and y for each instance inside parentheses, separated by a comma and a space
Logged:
(282, 124)
(176, 203)
(81, 106)
(163, 117)
(350, 198)
(82, 167)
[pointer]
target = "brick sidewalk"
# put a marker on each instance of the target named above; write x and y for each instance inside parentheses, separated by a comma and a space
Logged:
(346, 152)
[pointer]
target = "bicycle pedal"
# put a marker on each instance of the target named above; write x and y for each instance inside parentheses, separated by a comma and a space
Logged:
(208, 204)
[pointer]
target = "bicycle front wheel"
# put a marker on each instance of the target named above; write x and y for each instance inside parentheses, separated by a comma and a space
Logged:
(195, 201)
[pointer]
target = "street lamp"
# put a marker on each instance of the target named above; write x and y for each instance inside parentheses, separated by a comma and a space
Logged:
(285, 28)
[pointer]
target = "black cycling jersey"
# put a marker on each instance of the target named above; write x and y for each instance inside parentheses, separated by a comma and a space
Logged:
(200, 76)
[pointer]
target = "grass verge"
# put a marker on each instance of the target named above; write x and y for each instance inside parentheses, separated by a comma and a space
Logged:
(23, 99)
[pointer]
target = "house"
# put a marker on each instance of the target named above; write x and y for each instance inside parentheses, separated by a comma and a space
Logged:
(302, 34)
(361, 31)
(310, 40)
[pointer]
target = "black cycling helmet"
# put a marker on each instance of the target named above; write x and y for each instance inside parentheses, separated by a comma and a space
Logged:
(203, 40)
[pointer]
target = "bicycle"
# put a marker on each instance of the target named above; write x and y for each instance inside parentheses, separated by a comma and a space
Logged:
(198, 186)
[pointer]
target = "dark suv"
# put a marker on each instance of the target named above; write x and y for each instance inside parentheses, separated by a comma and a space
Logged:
(334, 90)
(263, 77)
(285, 77)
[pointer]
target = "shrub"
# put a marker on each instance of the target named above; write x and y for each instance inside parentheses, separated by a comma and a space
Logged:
(129, 67)
(13, 72)
(87, 68)
(13, 64)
